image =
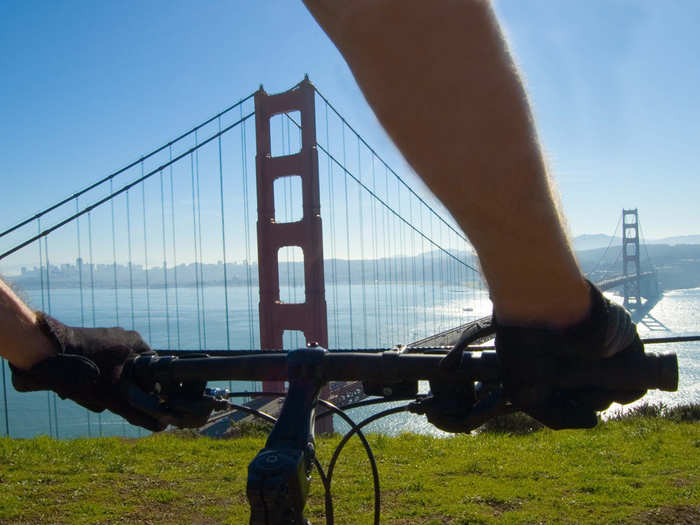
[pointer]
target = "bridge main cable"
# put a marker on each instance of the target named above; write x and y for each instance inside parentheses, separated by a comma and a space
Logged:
(120, 171)
(403, 182)
(347, 172)
(121, 190)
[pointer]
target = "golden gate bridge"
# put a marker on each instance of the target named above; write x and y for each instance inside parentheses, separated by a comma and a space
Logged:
(270, 225)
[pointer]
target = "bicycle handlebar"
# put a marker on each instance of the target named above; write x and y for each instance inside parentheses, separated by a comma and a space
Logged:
(650, 371)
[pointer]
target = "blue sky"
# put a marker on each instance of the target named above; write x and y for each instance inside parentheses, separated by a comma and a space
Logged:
(90, 86)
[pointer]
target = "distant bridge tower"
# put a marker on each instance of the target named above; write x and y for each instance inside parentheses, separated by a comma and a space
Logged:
(630, 258)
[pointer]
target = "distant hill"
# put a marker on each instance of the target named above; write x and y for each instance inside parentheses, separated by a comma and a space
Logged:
(600, 240)
(594, 241)
(678, 265)
(680, 239)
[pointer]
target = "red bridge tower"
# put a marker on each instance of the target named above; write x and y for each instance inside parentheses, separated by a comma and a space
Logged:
(275, 316)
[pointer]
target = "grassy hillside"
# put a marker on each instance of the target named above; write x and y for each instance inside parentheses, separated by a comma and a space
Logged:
(636, 470)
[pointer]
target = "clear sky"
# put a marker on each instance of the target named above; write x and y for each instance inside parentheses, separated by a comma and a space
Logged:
(86, 87)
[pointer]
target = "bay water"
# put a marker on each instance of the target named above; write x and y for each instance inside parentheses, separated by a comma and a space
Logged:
(380, 316)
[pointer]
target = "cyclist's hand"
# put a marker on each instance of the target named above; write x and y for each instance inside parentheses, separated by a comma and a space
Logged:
(607, 331)
(87, 368)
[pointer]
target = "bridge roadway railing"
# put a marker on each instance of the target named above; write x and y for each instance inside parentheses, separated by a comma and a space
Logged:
(614, 282)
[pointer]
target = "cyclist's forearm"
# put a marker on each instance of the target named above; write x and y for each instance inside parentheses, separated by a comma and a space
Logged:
(21, 341)
(440, 78)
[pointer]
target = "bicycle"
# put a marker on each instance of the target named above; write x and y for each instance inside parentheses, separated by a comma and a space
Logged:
(279, 476)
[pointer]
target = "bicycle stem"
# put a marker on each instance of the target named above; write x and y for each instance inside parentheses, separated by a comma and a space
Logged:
(280, 475)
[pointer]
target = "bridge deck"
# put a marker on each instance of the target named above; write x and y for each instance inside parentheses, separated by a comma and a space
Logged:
(609, 284)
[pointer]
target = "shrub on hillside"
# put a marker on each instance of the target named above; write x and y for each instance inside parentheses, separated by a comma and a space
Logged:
(517, 423)
(253, 428)
(185, 433)
(644, 410)
(681, 413)
(520, 423)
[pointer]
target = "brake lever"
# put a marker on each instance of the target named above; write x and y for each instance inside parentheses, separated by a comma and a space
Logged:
(146, 387)
(462, 408)
(447, 416)
(477, 332)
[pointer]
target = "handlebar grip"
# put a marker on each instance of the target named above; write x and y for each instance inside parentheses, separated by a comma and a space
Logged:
(665, 371)
(644, 372)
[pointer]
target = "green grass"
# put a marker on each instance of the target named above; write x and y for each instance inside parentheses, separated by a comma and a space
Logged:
(634, 470)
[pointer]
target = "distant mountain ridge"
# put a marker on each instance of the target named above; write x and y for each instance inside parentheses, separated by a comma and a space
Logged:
(600, 240)
(677, 265)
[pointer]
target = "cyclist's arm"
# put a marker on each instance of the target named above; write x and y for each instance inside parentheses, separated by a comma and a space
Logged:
(22, 343)
(440, 78)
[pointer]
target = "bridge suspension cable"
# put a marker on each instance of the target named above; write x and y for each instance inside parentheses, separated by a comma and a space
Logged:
(612, 239)
(642, 237)
(121, 190)
(393, 218)
(341, 164)
(394, 212)
(374, 153)
(124, 169)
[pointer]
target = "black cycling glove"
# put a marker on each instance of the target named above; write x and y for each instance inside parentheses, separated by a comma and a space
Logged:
(607, 331)
(87, 368)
